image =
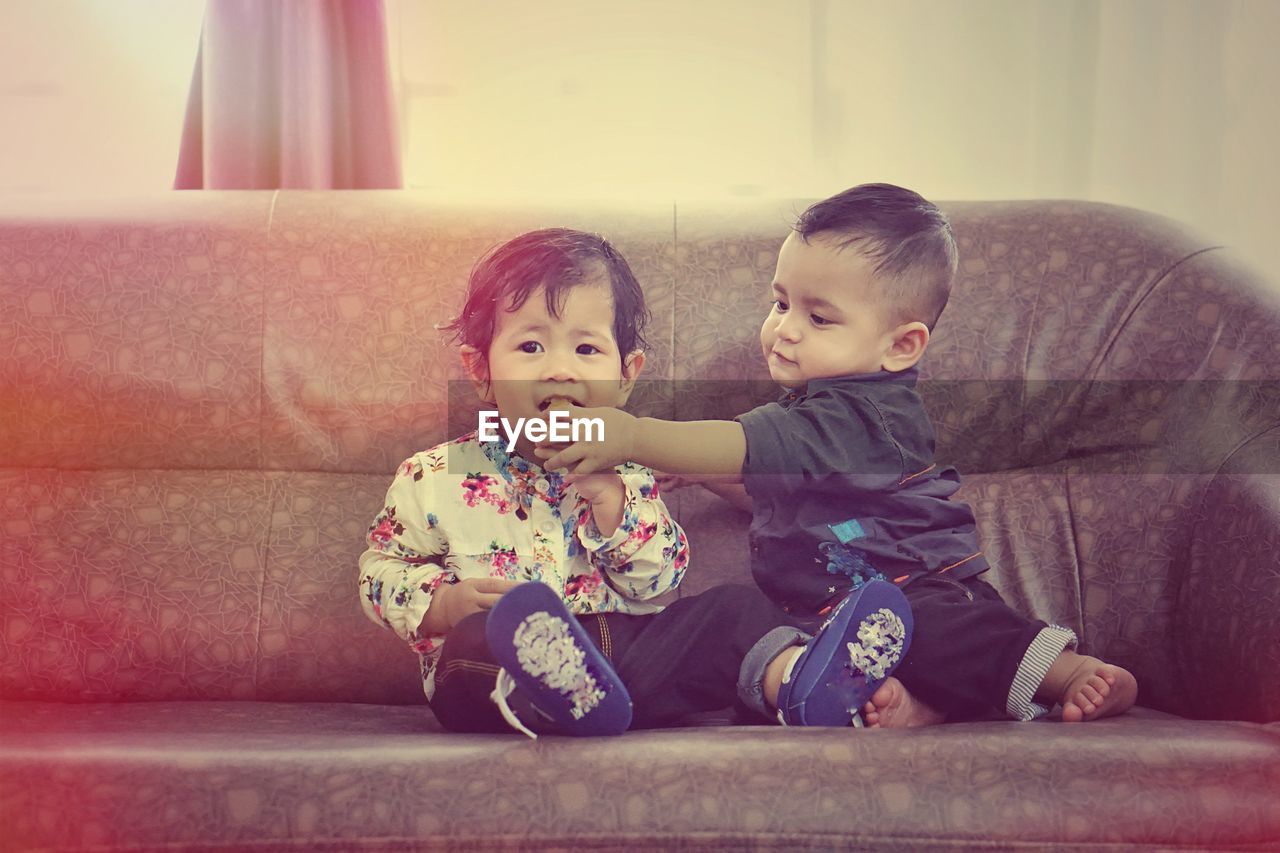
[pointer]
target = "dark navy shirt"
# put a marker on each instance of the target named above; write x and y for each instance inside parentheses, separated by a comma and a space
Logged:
(845, 487)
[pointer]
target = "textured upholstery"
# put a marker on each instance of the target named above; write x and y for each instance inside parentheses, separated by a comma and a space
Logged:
(202, 399)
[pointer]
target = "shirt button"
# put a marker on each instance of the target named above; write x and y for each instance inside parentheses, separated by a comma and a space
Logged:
(541, 485)
(547, 527)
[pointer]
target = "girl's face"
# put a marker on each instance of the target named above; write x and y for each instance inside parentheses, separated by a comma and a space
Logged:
(537, 361)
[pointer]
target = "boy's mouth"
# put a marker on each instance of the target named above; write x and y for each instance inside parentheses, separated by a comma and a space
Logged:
(562, 400)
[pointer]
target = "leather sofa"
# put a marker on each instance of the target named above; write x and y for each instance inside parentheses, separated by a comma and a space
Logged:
(204, 397)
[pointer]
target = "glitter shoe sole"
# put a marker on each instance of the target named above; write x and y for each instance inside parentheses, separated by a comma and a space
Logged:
(555, 665)
(857, 648)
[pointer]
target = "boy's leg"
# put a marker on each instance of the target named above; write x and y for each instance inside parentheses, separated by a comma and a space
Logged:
(972, 656)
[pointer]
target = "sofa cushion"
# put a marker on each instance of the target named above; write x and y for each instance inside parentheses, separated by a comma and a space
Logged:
(344, 776)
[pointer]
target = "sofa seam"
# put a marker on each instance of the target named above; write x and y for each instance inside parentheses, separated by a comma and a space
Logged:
(262, 337)
(262, 585)
(718, 840)
(1181, 569)
(1151, 288)
(1026, 362)
(1077, 563)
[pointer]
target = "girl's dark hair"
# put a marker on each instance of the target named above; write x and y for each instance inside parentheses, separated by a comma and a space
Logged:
(908, 238)
(557, 260)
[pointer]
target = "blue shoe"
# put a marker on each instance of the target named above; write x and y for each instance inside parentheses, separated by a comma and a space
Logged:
(547, 657)
(854, 651)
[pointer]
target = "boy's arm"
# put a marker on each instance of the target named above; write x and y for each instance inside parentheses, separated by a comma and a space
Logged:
(692, 448)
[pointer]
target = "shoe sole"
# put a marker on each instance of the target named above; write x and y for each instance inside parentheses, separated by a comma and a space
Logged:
(859, 646)
(555, 664)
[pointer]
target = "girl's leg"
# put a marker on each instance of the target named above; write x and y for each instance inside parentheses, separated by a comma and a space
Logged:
(467, 673)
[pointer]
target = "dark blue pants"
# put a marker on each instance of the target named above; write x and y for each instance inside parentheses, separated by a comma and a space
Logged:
(966, 647)
(684, 661)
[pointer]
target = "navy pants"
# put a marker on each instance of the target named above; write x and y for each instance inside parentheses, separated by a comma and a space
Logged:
(683, 661)
(966, 647)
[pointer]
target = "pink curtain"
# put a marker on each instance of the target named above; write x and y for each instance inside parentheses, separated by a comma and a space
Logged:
(291, 94)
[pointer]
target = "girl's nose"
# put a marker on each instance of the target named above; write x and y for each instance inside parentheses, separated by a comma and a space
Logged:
(558, 368)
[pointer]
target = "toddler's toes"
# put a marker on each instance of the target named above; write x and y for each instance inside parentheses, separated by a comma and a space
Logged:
(1091, 695)
(1101, 685)
(1070, 713)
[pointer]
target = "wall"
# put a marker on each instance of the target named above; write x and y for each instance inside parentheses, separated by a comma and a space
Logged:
(1167, 105)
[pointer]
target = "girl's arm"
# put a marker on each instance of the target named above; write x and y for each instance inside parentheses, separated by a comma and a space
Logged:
(403, 566)
(646, 553)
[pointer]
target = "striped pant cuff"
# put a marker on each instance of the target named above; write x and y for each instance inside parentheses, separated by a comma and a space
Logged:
(1040, 655)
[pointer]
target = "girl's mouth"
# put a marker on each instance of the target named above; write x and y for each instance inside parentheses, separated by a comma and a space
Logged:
(558, 398)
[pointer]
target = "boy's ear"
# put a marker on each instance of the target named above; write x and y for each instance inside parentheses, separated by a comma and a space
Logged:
(908, 344)
(473, 361)
(631, 367)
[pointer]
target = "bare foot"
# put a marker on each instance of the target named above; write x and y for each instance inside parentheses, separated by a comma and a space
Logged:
(1096, 689)
(893, 707)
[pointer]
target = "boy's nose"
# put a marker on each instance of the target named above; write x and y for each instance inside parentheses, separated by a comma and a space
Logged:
(788, 329)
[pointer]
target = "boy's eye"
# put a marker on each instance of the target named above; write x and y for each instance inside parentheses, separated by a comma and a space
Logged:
(780, 305)
(818, 321)
(587, 349)
(530, 347)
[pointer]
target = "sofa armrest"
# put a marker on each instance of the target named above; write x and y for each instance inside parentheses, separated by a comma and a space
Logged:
(1227, 628)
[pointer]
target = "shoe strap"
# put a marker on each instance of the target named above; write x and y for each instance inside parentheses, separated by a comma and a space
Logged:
(503, 688)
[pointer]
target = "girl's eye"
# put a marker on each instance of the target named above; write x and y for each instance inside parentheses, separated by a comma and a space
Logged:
(780, 305)
(587, 349)
(530, 347)
(818, 321)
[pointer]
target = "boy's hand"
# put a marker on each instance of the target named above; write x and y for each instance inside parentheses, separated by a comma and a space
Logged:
(454, 602)
(667, 483)
(589, 457)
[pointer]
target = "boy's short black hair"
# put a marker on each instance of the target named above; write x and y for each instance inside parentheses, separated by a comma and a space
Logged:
(557, 260)
(908, 238)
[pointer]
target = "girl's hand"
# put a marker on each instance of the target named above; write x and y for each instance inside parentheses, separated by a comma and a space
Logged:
(596, 487)
(453, 602)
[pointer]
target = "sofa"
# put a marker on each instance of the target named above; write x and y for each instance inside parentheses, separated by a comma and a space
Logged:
(203, 398)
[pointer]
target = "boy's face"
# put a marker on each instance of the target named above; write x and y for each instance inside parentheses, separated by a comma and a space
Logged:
(537, 361)
(826, 318)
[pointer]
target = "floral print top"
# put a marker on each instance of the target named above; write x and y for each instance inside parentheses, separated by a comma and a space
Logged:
(468, 509)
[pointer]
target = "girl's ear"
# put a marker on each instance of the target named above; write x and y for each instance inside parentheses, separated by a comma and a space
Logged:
(473, 361)
(908, 344)
(631, 367)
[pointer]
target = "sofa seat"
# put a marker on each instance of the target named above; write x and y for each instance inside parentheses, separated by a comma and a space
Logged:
(372, 777)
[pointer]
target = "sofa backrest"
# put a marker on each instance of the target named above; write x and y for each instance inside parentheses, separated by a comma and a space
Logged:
(204, 397)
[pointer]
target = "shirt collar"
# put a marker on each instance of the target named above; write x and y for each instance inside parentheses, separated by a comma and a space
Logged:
(906, 377)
